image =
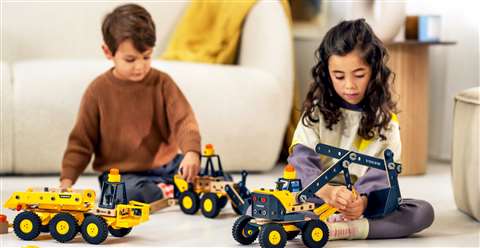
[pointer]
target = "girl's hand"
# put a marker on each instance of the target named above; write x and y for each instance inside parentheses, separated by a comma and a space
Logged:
(190, 166)
(336, 196)
(355, 209)
(340, 198)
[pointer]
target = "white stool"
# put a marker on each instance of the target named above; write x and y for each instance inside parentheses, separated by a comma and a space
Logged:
(465, 153)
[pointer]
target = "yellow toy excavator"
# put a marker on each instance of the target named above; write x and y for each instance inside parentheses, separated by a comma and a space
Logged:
(280, 214)
(64, 214)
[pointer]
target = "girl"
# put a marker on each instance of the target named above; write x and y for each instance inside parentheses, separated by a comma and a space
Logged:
(350, 106)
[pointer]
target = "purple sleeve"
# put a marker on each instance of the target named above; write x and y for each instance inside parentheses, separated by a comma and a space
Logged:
(307, 165)
(306, 162)
(374, 179)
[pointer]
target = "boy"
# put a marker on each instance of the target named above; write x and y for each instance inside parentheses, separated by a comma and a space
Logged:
(133, 117)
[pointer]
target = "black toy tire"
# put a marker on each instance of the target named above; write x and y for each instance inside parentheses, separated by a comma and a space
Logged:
(214, 205)
(239, 233)
(71, 227)
(194, 199)
(277, 231)
(95, 233)
(32, 219)
(121, 232)
(292, 234)
(308, 233)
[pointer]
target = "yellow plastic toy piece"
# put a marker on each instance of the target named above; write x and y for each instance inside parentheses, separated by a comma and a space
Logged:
(114, 176)
(209, 150)
(289, 172)
(285, 197)
(181, 184)
(82, 200)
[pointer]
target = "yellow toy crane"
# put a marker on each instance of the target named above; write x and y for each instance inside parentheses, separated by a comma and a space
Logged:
(64, 214)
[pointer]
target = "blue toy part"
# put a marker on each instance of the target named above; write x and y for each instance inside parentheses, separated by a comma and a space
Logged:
(240, 197)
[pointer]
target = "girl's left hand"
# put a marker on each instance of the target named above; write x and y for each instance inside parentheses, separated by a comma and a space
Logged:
(355, 208)
(190, 166)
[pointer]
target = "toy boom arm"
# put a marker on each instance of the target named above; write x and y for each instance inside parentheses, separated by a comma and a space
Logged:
(345, 159)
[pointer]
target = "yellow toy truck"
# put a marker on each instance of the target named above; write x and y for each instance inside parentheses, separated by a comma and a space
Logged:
(64, 214)
(210, 191)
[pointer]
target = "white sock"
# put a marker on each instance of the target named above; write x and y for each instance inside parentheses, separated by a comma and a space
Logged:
(356, 229)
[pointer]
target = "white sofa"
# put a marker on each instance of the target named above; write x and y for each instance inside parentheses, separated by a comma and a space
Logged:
(242, 109)
(465, 152)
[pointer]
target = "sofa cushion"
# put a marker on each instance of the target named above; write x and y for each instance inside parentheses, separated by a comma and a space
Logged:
(6, 113)
(243, 111)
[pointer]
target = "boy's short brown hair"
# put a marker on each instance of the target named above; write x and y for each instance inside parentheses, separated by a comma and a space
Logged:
(129, 21)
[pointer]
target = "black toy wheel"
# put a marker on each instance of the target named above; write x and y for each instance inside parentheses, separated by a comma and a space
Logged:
(27, 225)
(222, 202)
(315, 234)
(94, 229)
(120, 232)
(63, 227)
(210, 205)
(189, 202)
(244, 232)
(272, 236)
(292, 234)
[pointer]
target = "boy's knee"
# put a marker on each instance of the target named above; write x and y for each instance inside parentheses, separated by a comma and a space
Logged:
(144, 191)
(134, 191)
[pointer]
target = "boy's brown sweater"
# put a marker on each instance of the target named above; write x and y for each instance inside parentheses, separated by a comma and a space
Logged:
(133, 126)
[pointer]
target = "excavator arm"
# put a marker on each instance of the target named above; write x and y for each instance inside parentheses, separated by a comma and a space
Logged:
(387, 199)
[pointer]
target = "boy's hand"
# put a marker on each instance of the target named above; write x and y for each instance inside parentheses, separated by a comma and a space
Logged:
(190, 166)
(65, 184)
(356, 208)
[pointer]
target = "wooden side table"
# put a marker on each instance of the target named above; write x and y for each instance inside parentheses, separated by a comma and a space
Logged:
(409, 61)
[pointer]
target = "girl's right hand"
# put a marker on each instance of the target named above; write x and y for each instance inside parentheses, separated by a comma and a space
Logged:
(339, 197)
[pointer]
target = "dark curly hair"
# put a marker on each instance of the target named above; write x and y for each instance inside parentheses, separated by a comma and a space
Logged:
(377, 103)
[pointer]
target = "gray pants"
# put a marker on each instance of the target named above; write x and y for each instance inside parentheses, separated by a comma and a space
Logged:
(142, 186)
(411, 217)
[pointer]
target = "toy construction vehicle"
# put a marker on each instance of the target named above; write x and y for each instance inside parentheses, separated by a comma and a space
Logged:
(210, 191)
(280, 214)
(64, 214)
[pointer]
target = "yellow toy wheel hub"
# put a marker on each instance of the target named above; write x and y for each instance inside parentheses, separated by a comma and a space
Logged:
(246, 233)
(92, 230)
(62, 227)
(26, 226)
(187, 202)
(208, 205)
(317, 234)
(274, 237)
